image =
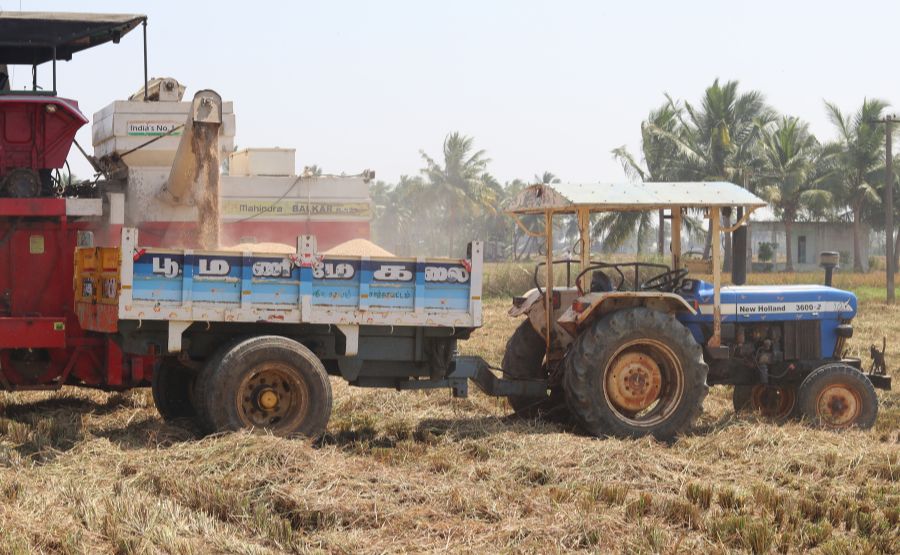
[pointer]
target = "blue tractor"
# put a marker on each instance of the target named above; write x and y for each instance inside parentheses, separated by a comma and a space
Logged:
(630, 348)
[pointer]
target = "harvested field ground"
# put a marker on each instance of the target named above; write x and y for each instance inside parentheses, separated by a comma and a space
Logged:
(83, 471)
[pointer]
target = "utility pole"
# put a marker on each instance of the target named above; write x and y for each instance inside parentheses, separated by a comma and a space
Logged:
(889, 204)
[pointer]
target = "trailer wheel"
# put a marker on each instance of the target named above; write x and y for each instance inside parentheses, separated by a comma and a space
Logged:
(636, 372)
(837, 396)
(172, 387)
(266, 383)
(778, 402)
(523, 359)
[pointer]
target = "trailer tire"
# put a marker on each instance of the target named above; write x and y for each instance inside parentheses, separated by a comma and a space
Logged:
(173, 394)
(753, 398)
(636, 372)
(524, 359)
(837, 396)
(266, 383)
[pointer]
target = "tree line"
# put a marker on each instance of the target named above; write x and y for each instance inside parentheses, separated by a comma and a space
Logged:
(729, 135)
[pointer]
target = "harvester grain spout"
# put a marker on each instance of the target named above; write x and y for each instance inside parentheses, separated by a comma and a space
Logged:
(194, 178)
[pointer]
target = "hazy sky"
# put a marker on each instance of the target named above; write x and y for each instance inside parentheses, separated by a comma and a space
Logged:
(540, 85)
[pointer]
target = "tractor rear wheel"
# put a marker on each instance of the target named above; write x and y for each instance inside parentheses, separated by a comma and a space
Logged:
(778, 402)
(265, 383)
(837, 396)
(636, 372)
(524, 360)
(172, 386)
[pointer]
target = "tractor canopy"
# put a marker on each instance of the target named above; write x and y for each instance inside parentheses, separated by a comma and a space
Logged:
(622, 197)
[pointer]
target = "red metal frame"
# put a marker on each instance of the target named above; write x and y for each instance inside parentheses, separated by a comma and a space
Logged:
(42, 345)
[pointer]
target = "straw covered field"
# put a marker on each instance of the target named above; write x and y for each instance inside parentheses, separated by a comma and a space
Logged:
(84, 471)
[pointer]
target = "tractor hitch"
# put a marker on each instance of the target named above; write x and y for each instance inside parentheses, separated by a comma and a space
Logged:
(878, 371)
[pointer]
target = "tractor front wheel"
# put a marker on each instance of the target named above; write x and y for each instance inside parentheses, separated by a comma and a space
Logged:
(837, 396)
(778, 402)
(636, 372)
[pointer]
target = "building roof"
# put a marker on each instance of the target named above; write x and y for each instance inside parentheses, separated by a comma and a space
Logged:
(631, 196)
(29, 37)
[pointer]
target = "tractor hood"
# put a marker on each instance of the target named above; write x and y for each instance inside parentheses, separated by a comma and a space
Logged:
(771, 302)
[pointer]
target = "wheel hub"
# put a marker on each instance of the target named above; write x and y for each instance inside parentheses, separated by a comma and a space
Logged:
(838, 406)
(267, 399)
(773, 401)
(272, 397)
(634, 382)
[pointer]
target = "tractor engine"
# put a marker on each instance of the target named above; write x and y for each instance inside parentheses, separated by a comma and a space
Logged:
(36, 133)
(756, 345)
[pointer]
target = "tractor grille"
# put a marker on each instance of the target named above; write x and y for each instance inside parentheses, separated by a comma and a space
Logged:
(802, 340)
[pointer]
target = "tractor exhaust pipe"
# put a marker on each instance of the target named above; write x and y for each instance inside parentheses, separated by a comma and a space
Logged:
(739, 255)
(829, 260)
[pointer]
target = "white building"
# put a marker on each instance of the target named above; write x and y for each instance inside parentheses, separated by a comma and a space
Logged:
(808, 239)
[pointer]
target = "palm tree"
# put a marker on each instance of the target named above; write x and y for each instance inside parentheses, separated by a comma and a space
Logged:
(312, 171)
(400, 210)
(457, 184)
(718, 140)
(546, 178)
(658, 154)
(792, 173)
(859, 154)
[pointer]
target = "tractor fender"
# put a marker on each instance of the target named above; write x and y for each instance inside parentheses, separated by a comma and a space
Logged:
(531, 305)
(522, 305)
(591, 306)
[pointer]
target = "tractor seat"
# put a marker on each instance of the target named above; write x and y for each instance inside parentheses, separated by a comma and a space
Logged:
(600, 283)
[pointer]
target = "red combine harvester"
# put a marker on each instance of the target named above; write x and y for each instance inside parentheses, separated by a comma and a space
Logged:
(42, 219)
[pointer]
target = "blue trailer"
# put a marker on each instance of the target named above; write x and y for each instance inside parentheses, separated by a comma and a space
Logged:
(248, 339)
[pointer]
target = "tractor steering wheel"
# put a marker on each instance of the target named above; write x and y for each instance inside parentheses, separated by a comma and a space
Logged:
(666, 281)
(599, 266)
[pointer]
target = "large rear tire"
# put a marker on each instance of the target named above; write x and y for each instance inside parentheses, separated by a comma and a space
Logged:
(172, 386)
(266, 383)
(778, 402)
(837, 396)
(524, 360)
(636, 372)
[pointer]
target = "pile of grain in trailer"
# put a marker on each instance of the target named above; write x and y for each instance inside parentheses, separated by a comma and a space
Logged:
(358, 247)
(353, 247)
(263, 248)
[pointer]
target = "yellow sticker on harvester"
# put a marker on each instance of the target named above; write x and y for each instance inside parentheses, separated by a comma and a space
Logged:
(36, 244)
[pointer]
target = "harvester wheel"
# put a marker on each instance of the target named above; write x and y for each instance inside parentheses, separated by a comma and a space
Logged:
(837, 396)
(778, 402)
(266, 383)
(524, 360)
(172, 387)
(636, 372)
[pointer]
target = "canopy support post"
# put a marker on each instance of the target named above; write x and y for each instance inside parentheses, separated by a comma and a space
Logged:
(676, 237)
(548, 287)
(716, 339)
(584, 227)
